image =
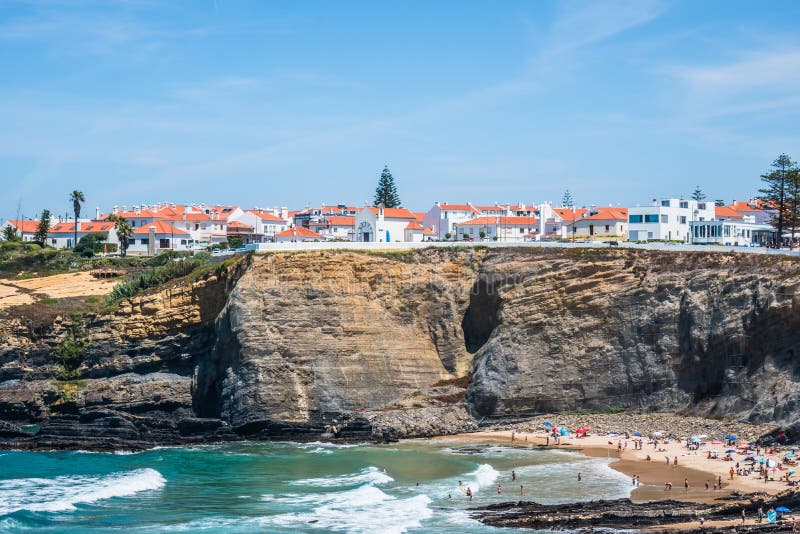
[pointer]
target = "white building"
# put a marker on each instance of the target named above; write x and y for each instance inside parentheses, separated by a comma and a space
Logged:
(298, 234)
(62, 234)
(339, 227)
(266, 225)
(668, 219)
(26, 229)
(498, 228)
(441, 217)
(602, 223)
(732, 233)
(157, 237)
(382, 225)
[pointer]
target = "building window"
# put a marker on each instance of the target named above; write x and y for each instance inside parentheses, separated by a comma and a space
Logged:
(682, 219)
(183, 241)
(608, 228)
(635, 218)
(684, 204)
(163, 243)
(54, 242)
(651, 218)
(145, 241)
(665, 203)
(701, 206)
(665, 219)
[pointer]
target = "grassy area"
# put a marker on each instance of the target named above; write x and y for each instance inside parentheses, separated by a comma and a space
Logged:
(23, 261)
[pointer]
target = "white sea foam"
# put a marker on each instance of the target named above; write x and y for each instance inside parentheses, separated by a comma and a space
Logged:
(363, 509)
(484, 476)
(62, 493)
(369, 475)
(320, 450)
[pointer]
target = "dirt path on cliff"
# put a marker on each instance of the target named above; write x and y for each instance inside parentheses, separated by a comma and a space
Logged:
(79, 284)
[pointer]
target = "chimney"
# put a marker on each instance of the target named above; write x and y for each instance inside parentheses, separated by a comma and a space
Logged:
(97, 213)
(151, 241)
(123, 207)
(114, 210)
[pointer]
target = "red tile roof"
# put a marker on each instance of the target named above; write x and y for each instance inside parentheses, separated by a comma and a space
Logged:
(414, 225)
(162, 228)
(419, 215)
(567, 213)
(607, 214)
(237, 224)
(26, 227)
(491, 220)
(394, 213)
(264, 216)
(84, 227)
(300, 231)
(727, 212)
(335, 220)
(459, 207)
(190, 217)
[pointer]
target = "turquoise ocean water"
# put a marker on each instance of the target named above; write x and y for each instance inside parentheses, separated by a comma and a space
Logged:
(410, 486)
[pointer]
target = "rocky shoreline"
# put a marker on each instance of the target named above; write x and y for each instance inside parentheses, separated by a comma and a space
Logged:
(659, 516)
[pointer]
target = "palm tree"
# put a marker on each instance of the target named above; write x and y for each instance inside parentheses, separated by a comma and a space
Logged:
(124, 232)
(76, 197)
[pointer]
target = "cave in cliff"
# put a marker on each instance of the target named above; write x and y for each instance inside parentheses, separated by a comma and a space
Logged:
(482, 315)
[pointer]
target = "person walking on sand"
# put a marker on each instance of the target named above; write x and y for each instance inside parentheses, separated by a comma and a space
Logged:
(685, 484)
(513, 475)
(744, 516)
(667, 458)
(676, 462)
(706, 484)
(731, 472)
(719, 481)
(794, 524)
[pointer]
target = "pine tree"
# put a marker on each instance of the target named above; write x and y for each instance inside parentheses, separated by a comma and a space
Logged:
(386, 192)
(777, 191)
(566, 200)
(43, 229)
(698, 194)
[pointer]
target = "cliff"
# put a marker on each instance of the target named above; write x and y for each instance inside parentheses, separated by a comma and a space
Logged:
(355, 344)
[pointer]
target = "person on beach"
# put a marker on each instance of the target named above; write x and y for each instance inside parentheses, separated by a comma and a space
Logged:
(744, 516)
(633, 480)
(794, 524)
(638, 481)
(760, 514)
(706, 484)
(731, 472)
(521, 490)
(667, 459)
(512, 436)
(719, 481)
(668, 486)
(676, 462)
(685, 484)
(513, 475)
(547, 442)
(702, 521)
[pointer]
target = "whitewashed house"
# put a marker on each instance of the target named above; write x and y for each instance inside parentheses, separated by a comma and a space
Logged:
(25, 228)
(62, 234)
(157, 237)
(298, 234)
(414, 232)
(668, 219)
(497, 228)
(267, 225)
(382, 225)
(442, 217)
(339, 227)
(609, 223)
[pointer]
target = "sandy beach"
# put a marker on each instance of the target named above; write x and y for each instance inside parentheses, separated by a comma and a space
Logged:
(693, 466)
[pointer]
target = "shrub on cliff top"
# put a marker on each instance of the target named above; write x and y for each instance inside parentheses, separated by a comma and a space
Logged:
(154, 277)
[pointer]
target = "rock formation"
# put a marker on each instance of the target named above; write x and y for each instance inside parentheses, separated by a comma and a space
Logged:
(357, 344)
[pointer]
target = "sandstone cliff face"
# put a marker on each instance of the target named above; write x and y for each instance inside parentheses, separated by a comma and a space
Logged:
(307, 337)
(297, 344)
(588, 329)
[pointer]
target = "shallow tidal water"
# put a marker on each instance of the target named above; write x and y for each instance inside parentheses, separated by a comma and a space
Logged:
(288, 487)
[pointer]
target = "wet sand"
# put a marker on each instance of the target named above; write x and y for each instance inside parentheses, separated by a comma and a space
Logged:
(694, 466)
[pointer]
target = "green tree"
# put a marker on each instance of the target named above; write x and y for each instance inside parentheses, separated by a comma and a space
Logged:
(776, 190)
(386, 192)
(90, 244)
(793, 208)
(566, 200)
(77, 198)
(698, 194)
(43, 229)
(235, 242)
(124, 233)
(719, 202)
(10, 233)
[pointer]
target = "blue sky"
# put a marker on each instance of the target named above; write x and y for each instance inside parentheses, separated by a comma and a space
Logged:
(293, 103)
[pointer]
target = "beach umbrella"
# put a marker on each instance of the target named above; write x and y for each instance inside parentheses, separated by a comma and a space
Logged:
(637, 434)
(695, 440)
(731, 437)
(563, 432)
(791, 471)
(730, 451)
(783, 510)
(547, 423)
(789, 454)
(717, 442)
